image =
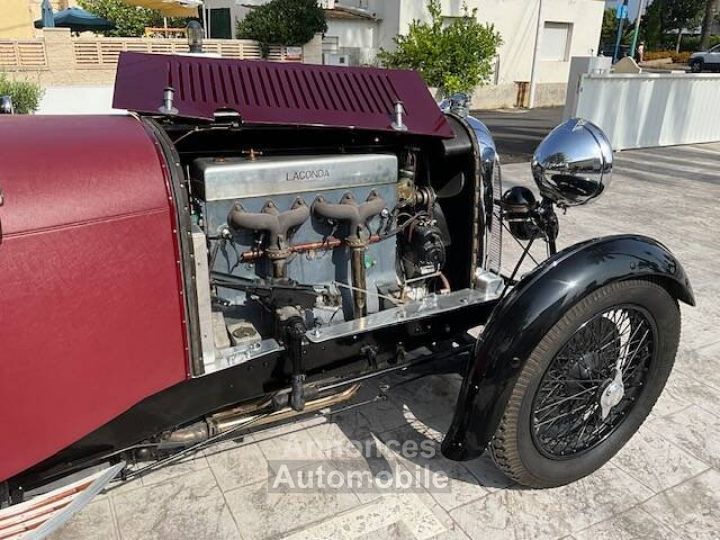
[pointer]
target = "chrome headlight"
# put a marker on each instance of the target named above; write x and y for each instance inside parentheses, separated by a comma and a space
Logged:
(573, 164)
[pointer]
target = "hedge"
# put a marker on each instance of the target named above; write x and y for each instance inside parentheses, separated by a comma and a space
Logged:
(25, 95)
(677, 58)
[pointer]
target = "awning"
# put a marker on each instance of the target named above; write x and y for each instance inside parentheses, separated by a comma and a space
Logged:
(170, 8)
(77, 20)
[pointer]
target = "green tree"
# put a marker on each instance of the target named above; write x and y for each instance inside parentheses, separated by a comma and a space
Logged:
(285, 22)
(609, 26)
(652, 26)
(25, 95)
(130, 21)
(664, 16)
(608, 34)
(711, 12)
(454, 57)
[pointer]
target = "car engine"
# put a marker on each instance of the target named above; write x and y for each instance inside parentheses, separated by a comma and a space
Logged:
(312, 241)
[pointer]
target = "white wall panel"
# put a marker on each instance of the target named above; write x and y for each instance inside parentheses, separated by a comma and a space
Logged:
(651, 109)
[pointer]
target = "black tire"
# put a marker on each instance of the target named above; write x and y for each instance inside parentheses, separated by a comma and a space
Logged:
(697, 66)
(515, 447)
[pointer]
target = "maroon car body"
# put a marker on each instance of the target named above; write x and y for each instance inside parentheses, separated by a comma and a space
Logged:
(254, 240)
(91, 300)
(90, 262)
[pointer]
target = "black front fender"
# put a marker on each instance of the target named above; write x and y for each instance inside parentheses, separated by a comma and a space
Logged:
(531, 309)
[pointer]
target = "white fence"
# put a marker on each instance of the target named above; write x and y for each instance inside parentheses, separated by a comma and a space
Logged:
(78, 100)
(652, 109)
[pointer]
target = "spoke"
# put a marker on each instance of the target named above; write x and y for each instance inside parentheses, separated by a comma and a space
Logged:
(629, 362)
(581, 380)
(613, 339)
(569, 398)
(563, 415)
(622, 356)
(617, 343)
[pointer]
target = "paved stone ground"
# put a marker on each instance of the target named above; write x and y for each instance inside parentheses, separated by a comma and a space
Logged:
(664, 484)
(517, 132)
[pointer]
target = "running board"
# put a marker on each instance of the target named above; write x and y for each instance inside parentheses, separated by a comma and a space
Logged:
(41, 515)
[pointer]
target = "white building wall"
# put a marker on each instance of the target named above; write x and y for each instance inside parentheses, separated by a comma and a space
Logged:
(389, 12)
(356, 38)
(516, 20)
(238, 9)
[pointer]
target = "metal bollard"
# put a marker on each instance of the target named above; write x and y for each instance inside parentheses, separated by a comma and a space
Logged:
(6, 105)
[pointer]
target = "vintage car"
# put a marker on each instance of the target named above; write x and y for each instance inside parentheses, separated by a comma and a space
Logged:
(256, 239)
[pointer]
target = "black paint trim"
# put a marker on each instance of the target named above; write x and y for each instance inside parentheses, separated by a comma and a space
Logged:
(178, 186)
(531, 309)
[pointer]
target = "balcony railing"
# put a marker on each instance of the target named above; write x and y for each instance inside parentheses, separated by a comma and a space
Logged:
(99, 53)
(26, 53)
(105, 51)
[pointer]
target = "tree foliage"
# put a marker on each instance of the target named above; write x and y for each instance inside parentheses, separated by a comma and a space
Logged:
(285, 22)
(454, 57)
(710, 13)
(130, 21)
(25, 95)
(609, 26)
(608, 34)
(664, 16)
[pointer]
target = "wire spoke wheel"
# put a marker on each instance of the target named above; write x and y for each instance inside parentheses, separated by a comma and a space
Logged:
(593, 382)
(588, 384)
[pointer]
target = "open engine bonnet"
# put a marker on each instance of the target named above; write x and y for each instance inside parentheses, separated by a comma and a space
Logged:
(309, 231)
(278, 93)
(322, 240)
(282, 250)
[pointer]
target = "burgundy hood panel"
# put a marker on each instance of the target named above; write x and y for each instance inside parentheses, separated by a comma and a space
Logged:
(278, 93)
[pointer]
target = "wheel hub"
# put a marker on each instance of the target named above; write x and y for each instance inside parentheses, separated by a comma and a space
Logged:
(593, 381)
(613, 394)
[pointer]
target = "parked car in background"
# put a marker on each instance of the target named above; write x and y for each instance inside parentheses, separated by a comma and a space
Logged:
(608, 49)
(705, 61)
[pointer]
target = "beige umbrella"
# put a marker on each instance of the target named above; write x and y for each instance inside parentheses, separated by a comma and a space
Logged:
(170, 8)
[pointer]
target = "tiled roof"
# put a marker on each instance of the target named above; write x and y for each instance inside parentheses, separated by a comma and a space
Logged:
(349, 14)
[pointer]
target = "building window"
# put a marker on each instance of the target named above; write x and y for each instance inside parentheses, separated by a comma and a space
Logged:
(220, 23)
(556, 41)
(330, 44)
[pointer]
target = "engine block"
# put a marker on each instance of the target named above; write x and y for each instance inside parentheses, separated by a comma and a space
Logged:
(258, 213)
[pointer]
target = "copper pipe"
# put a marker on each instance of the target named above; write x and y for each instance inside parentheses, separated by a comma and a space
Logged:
(359, 282)
(330, 243)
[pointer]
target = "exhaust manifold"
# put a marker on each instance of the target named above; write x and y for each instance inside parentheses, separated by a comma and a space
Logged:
(356, 216)
(277, 224)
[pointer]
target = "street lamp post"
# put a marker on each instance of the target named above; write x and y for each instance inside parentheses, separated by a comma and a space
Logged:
(622, 14)
(641, 9)
(536, 56)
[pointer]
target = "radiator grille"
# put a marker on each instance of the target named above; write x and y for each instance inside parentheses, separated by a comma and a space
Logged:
(494, 218)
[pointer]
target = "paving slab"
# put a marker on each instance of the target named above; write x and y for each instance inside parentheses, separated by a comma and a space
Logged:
(691, 509)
